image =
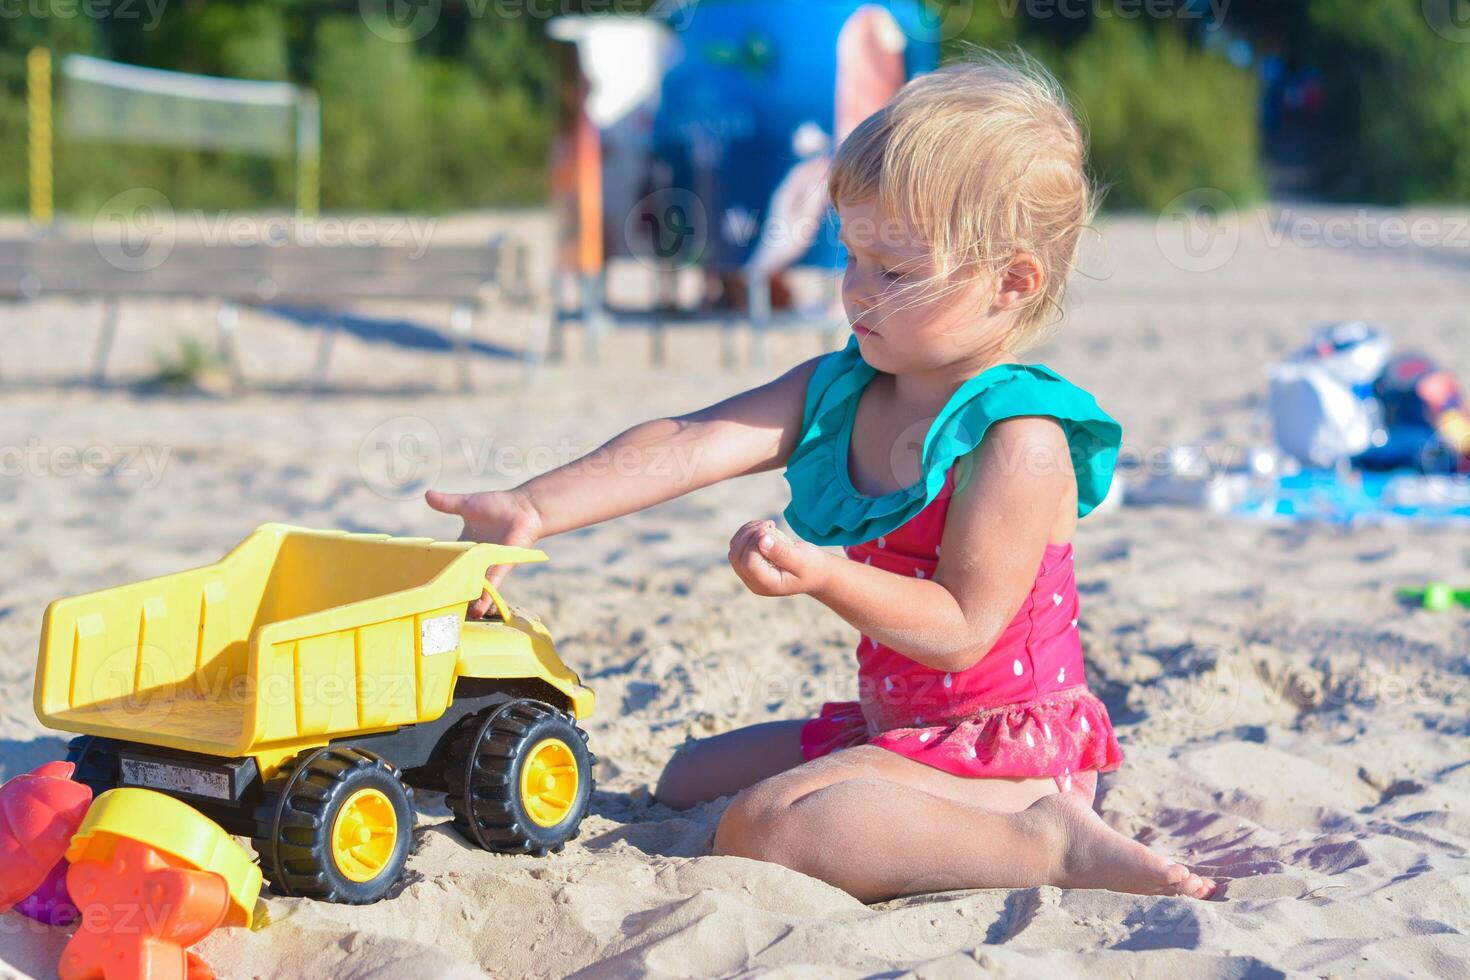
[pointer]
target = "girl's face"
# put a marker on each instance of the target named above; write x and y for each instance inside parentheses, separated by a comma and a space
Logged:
(905, 321)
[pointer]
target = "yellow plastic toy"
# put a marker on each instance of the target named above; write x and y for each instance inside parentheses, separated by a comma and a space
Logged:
(177, 829)
(151, 876)
(295, 689)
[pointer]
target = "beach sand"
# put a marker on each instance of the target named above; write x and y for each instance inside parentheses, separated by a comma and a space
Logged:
(1290, 726)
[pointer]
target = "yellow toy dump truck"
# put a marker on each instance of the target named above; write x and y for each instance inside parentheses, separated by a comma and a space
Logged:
(294, 690)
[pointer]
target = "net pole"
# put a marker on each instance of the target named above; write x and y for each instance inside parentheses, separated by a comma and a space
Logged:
(39, 141)
(308, 154)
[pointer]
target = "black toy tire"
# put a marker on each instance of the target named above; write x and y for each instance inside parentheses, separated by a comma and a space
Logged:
(486, 754)
(96, 761)
(293, 824)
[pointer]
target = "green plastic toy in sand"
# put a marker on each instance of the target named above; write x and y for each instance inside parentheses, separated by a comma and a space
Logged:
(1438, 596)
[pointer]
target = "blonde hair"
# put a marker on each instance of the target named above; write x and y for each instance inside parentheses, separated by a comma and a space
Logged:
(984, 159)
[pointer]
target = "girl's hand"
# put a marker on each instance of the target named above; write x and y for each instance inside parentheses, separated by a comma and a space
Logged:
(772, 564)
(499, 517)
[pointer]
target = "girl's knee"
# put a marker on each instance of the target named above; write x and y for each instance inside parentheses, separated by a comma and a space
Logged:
(774, 820)
(753, 823)
(677, 788)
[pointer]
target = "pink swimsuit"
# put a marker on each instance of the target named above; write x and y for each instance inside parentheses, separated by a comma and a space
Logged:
(1022, 711)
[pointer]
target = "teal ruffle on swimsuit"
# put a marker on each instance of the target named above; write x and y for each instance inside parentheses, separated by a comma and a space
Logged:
(826, 509)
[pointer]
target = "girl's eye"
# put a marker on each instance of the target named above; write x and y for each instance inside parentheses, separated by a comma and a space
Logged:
(891, 275)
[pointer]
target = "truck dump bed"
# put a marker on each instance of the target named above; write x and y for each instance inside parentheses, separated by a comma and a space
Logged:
(294, 634)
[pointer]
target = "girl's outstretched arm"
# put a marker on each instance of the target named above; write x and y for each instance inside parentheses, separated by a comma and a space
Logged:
(652, 462)
(1021, 492)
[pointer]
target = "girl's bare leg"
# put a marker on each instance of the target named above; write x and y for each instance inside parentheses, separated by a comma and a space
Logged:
(727, 763)
(877, 825)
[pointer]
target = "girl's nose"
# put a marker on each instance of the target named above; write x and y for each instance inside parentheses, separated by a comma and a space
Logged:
(857, 291)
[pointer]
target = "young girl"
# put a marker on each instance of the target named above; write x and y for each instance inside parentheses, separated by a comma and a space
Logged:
(953, 476)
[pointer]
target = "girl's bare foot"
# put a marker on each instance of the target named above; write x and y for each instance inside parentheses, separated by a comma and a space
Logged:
(1094, 855)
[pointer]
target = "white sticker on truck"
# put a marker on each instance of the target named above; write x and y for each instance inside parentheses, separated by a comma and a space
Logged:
(180, 779)
(439, 635)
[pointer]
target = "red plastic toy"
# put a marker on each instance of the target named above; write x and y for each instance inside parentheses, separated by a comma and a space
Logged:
(140, 908)
(151, 876)
(39, 812)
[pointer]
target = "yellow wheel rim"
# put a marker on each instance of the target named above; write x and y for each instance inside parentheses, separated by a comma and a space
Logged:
(364, 835)
(549, 780)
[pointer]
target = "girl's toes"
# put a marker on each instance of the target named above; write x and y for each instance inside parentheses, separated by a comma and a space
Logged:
(1184, 882)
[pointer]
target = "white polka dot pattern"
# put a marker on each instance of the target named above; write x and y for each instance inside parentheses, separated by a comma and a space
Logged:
(1042, 657)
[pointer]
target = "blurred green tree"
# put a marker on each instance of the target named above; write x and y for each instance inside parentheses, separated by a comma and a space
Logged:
(1398, 100)
(375, 132)
(1163, 117)
(462, 117)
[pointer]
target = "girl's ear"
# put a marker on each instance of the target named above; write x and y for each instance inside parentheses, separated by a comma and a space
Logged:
(1020, 282)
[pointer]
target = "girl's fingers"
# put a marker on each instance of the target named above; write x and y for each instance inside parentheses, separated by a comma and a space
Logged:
(758, 573)
(741, 542)
(495, 574)
(445, 503)
(751, 549)
(740, 553)
(749, 535)
(751, 579)
(778, 551)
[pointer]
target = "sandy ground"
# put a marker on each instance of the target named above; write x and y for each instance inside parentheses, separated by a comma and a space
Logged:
(1290, 726)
